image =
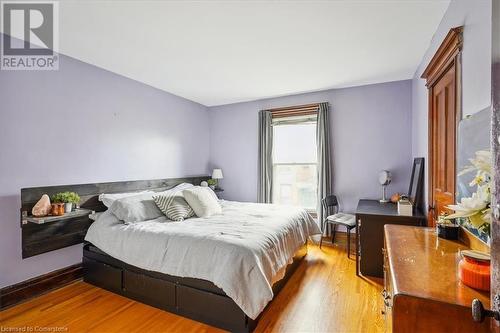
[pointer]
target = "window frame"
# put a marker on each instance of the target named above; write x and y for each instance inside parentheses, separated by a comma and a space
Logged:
(294, 120)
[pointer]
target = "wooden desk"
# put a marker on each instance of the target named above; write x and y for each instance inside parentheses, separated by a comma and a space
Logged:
(371, 216)
(422, 291)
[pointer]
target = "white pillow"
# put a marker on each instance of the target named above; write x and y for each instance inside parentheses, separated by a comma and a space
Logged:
(136, 208)
(203, 201)
(140, 207)
(108, 198)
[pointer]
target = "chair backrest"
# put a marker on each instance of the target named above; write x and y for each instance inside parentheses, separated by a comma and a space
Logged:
(330, 204)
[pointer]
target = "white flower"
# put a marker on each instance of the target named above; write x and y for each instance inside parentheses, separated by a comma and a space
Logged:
(468, 206)
(478, 180)
(481, 163)
(484, 192)
(487, 215)
(477, 208)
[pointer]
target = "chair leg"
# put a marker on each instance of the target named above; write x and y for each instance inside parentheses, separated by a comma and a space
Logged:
(334, 226)
(348, 243)
(321, 238)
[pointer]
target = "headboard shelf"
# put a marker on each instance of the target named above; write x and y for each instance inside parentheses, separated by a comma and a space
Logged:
(70, 229)
(81, 212)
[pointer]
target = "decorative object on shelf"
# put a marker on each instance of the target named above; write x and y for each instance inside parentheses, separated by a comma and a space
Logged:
(475, 211)
(204, 184)
(405, 207)
(212, 183)
(384, 178)
(395, 197)
(474, 269)
(447, 229)
(57, 209)
(69, 199)
(217, 174)
(42, 207)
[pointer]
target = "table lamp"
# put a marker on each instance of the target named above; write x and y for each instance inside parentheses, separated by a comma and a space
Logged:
(217, 174)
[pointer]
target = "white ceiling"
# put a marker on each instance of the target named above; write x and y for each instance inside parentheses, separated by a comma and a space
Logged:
(220, 52)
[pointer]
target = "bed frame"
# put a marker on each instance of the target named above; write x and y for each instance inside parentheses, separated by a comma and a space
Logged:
(197, 299)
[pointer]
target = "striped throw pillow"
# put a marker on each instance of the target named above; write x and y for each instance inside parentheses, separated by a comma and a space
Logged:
(173, 204)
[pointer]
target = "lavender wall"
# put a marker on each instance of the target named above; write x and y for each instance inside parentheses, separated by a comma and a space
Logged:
(371, 131)
(475, 16)
(82, 124)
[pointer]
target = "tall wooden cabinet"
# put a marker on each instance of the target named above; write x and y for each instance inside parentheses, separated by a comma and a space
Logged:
(422, 291)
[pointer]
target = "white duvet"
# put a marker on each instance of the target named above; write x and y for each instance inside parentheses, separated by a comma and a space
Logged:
(243, 251)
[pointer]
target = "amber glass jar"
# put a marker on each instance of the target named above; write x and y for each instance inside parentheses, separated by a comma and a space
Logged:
(54, 209)
(57, 209)
(61, 209)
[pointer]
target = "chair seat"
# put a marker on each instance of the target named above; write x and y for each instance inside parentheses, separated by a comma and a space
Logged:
(342, 218)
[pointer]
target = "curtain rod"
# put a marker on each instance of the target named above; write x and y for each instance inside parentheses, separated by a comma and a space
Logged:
(297, 110)
(295, 107)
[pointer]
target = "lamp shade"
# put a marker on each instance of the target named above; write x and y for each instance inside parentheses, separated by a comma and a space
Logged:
(217, 174)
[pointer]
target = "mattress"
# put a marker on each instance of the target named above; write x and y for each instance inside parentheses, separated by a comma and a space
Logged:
(242, 251)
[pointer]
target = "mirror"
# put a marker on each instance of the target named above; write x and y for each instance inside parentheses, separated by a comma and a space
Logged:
(473, 137)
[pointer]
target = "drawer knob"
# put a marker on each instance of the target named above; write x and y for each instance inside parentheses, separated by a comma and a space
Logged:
(479, 313)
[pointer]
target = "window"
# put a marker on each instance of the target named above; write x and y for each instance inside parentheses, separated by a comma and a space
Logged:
(295, 163)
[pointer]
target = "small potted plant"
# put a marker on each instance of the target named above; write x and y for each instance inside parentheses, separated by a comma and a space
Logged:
(212, 183)
(68, 198)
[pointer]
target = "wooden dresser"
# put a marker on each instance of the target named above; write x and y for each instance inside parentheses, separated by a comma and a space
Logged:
(422, 291)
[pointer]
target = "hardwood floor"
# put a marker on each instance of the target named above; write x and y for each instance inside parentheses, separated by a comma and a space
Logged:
(323, 295)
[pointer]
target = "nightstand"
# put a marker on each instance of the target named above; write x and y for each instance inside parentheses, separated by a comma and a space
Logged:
(218, 191)
(44, 234)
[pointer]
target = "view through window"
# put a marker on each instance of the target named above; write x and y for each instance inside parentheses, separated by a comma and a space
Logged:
(295, 164)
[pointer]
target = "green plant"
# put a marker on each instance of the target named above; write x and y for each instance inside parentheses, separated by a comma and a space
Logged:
(212, 182)
(65, 197)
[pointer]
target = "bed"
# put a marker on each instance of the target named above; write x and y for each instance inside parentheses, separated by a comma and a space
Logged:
(282, 234)
(222, 270)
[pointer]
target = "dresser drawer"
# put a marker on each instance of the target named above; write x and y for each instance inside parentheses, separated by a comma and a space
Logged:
(387, 294)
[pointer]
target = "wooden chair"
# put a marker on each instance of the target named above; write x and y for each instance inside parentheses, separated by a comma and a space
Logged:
(334, 217)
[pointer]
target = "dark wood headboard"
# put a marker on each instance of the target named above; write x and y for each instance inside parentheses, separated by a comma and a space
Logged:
(41, 238)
